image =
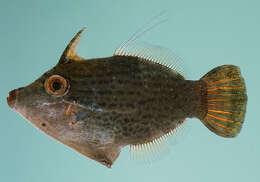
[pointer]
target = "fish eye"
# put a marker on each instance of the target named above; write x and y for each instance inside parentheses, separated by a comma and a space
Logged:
(56, 85)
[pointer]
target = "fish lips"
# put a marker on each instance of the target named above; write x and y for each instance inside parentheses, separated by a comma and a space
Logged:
(12, 97)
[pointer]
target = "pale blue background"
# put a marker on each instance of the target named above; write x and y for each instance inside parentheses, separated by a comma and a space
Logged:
(204, 33)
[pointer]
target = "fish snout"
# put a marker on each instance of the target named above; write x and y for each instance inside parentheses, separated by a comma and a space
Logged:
(11, 99)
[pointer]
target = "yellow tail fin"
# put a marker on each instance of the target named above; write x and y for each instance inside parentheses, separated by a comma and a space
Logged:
(226, 100)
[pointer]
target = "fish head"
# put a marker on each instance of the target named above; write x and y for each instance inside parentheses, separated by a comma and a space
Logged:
(51, 104)
(41, 102)
(47, 104)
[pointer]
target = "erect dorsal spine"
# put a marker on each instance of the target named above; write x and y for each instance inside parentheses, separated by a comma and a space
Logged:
(70, 51)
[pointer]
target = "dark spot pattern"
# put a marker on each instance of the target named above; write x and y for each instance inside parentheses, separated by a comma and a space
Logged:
(133, 100)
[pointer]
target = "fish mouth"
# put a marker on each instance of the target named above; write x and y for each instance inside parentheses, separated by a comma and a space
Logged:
(12, 95)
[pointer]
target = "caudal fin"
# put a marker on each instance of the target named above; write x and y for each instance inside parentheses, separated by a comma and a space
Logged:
(226, 100)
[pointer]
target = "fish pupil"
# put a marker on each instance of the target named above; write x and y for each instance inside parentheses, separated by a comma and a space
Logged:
(56, 85)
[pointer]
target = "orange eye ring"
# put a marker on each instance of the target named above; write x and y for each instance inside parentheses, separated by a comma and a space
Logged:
(56, 85)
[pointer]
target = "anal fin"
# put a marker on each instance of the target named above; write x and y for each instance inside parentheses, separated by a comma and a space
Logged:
(158, 147)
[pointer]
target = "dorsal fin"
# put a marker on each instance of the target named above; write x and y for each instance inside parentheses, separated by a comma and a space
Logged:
(70, 51)
(152, 53)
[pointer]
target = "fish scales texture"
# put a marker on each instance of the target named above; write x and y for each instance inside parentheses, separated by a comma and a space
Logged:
(98, 106)
(139, 98)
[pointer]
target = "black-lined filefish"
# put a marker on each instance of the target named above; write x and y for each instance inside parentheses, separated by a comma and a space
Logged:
(135, 97)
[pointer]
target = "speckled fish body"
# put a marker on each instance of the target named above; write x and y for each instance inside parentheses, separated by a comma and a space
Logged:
(98, 106)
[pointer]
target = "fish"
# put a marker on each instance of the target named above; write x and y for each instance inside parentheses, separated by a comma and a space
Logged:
(134, 98)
